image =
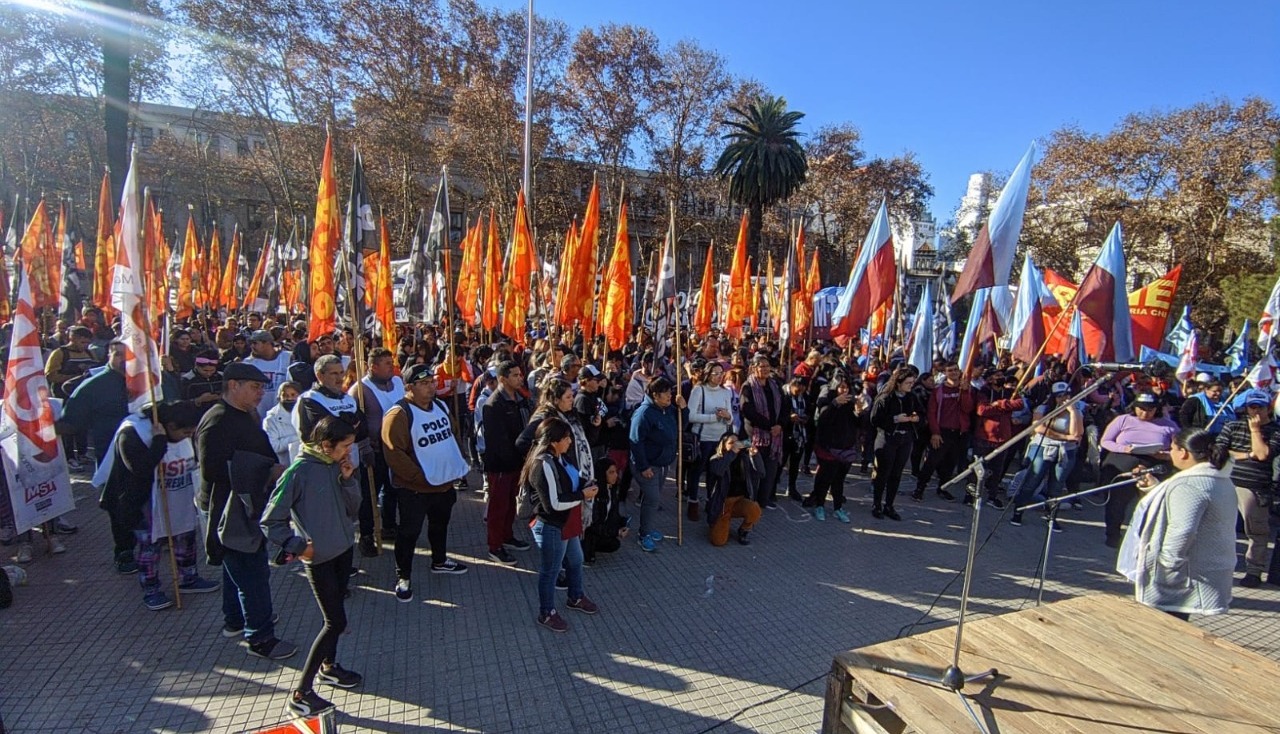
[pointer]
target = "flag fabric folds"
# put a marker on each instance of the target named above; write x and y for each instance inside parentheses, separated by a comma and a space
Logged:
(871, 281)
(1026, 330)
(359, 240)
(1239, 356)
(324, 248)
(704, 316)
(990, 261)
(739, 284)
(1267, 325)
(791, 286)
(515, 310)
(384, 308)
(228, 294)
(1104, 298)
(919, 347)
(489, 298)
(142, 361)
(618, 312)
(467, 294)
(104, 255)
(34, 258)
(1187, 359)
(1182, 330)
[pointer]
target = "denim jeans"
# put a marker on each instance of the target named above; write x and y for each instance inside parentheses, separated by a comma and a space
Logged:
(1055, 470)
(650, 492)
(557, 552)
(246, 594)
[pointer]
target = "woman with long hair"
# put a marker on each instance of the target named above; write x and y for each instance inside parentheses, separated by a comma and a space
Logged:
(711, 415)
(835, 444)
(894, 416)
(1051, 455)
(1179, 550)
(311, 516)
(734, 474)
(559, 490)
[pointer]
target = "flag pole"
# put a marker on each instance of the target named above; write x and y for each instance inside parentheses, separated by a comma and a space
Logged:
(671, 232)
(155, 423)
(1040, 352)
(357, 331)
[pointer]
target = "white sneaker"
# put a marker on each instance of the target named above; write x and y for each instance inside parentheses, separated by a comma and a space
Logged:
(55, 546)
(24, 553)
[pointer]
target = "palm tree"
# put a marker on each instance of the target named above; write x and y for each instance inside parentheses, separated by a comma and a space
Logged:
(764, 160)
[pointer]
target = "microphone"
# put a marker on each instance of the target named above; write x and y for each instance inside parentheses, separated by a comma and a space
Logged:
(1151, 368)
(1159, 470)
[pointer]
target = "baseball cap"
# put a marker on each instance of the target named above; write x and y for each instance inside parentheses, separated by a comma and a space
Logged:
(1061, 388)
(590, 372)
(1146, 400)
(1204, 378)
(242, 371)
(418, 373)
(1257, 397)
(261, 335)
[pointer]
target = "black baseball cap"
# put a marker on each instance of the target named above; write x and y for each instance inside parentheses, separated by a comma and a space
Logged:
(418, 373)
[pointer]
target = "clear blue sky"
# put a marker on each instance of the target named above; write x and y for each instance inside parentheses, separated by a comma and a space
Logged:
(967, 85)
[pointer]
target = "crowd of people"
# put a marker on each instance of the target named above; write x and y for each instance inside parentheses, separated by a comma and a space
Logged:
(276, 446)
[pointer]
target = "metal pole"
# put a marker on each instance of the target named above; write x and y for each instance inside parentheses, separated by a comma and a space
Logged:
(528, 114)
(671, 230)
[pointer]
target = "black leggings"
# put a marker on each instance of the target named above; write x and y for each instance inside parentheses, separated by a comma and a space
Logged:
(329, 584)
(435, 508)
(890, 461)
(830, 476)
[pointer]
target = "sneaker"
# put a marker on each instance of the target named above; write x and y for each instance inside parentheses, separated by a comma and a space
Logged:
(647, 544)
(64, 527)
(228, 631)
(156, 600)
(55, 546)
(583, 604)
(655, 536)
(1251, 580)
(1055, 525)
(449, 566)
(945, 495)
(553, 622)
(1016, 520)
(842, 515)
(273, 649)
(502, 556)
(199, 586)
(339, 677)
(819, 514)
(515, 544)
(917, 496)
(24, 556)
(771, 505)
(306, 703)
(742, 537)
(995, 502)
(892, 514)
(694, 512)
(562, 581)
(1077, 504)
(877, 513)
(404, 591)
(75, 465)
(368, 548)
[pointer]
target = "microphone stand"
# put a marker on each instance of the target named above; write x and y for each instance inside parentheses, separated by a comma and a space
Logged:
(1054, 504)
(954, 677)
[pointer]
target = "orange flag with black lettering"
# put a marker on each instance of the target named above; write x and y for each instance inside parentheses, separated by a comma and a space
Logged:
(213, 268)
(384, 307)
(618, 313)
(35, 255)
(492, 285)
(739, 284)
(324, 248)
(468, 290)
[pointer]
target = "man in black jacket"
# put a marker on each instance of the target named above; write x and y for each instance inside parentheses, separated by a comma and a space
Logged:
(505, 414)
(232, 425)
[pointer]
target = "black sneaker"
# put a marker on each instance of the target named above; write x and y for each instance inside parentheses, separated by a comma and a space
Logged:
(502, 556)
(917, 496)
(995, 502)
(1251, 580)
(892, 514)
(339, 677)
(368, 548)
(562, 581)
(404, 590)
(515, 544)
(945, 495)
(742, 537)
(877, 513)
(449, 566)
(273, 649)
(1016, 520)
(306, 703)
(125, 568)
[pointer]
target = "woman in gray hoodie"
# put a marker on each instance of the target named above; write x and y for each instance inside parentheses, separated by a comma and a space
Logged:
(311, 517)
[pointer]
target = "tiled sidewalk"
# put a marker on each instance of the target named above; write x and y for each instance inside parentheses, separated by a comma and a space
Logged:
(690, 639)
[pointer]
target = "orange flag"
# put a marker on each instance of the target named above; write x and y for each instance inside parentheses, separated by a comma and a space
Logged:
(187, 275)
(770, 295)
(492, 285)
(706, 312)
(516, 306)
(6, 311)
(35, 254)
(255, 284)
(227, 285)
(324, 248)
(213, 267)
(564, 308)
(385, 307)
(619, 297)
(583, 287)
(739, 284)
(754, 314)
(468, 291)
(804, 299)
(104, 257)
(53, 258)
(154, 267)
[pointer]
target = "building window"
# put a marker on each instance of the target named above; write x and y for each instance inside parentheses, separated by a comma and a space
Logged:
(146, 137)
(70, 138)
(242, 148)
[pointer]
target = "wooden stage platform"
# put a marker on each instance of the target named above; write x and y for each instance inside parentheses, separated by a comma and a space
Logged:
(1090, 664)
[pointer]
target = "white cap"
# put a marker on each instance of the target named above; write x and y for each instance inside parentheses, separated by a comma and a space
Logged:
(1203, 378)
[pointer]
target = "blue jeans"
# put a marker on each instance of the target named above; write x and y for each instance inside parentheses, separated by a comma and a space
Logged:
(246, 594)
(557, 552)
(650, 492)
(1055, 470)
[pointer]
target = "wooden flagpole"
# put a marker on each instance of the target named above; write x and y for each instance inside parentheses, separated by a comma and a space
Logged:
(357, 330)
(671, 232)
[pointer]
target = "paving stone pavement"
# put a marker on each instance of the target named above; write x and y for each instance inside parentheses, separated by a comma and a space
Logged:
(689, 639)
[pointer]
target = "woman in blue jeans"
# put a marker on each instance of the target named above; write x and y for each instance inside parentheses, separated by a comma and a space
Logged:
(559, 492)
(1052, 452)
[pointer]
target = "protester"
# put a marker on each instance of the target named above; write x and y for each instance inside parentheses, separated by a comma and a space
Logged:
(608, 526)
(375, 393)
(425, 460)
(310, 516)
(1179, 551)
(949, 413)
(764, 409)
(995, 403)
(795, 433)
(654, 440)
(735, 474)
(232, 425)
(203, 384)
(272, 363)
(1051, 454)
(711, 416)
(504, 415)
(1139, 440)
(894, 415)
(1206, 409)
(835, 445)
(1253, 443)
(279, 424)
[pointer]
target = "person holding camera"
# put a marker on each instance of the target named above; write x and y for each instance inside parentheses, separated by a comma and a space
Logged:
(894, 415)
(835, 445)
(311, 516)
(734, 475)
(560, 490)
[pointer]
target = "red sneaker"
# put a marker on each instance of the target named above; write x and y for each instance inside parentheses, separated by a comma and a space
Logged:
(553, 622)
(584, 605)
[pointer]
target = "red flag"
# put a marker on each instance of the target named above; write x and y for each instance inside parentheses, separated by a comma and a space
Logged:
(871, 281)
